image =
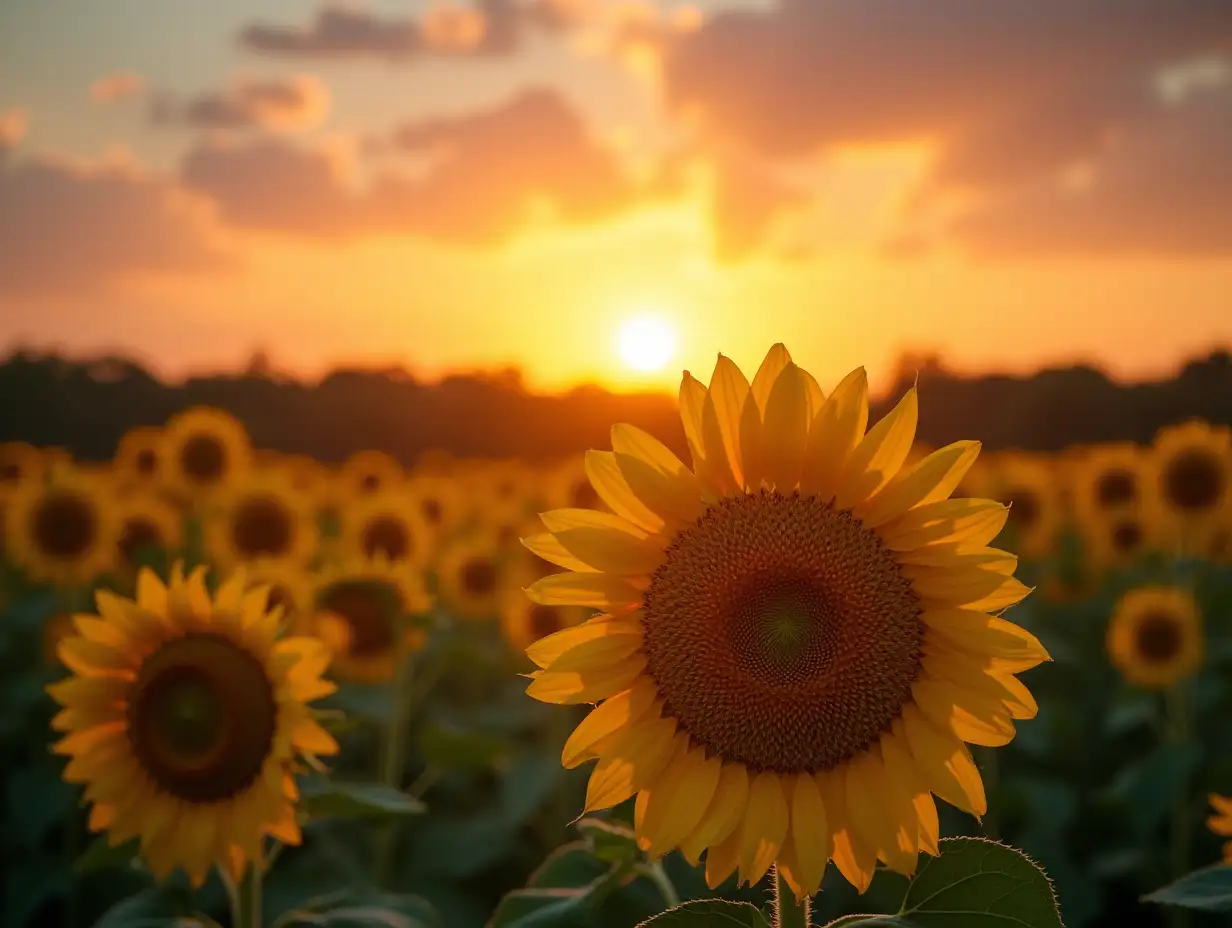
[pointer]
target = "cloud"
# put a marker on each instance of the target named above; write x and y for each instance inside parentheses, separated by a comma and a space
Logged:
(70, 229)
(118, 85)
(1014, 98)
(284, 104)
(13, 126)
(481, 179)
(489, 27)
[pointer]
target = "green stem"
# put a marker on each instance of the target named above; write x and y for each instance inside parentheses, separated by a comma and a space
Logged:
(1177, 707)
(245, 896)
(656, 874)
(788, 913)
(406, 699)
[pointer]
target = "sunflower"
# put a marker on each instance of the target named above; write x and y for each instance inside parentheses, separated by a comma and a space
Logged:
(367, 472)
(56, 627)
(205, 450)
(65, 531)
(290, 587)
(186, 718)
(146, 523)
(262, 519)
(1120, 537)
(524, 622)
(19, 462)
(1155, 636)
(386, 524)
(1221, 822)
(436, 498)
(360, 613)
(1192, 464)
(1029, 487)
(797, 640)
(472, 576)
(1111, 478)
(139, 456)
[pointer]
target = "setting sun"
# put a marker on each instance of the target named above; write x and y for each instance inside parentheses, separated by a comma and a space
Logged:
(646, 343)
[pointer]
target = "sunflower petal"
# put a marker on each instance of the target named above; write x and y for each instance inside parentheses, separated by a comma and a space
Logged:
(931, 480)
(678, 799)
(882, 819)
(944, 762)
(691, 402)
(835, 432)
(880, 455)
(810, 833)
(974, 716)
(721, 417)
(547, 650)
(1008, 646)
(949, 521)
(570, 687)
(609, 483)
(611, 551)
(578, 589)
(548, 546)
(722, 815)
(722, 859)
(764, 826)
(611, 715)
(629, 761)
(785, 437)
(854, 861)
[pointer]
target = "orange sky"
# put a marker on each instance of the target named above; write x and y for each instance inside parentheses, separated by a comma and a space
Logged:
(419, 193)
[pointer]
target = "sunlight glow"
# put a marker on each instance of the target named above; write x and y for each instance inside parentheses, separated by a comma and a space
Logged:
(646, 343)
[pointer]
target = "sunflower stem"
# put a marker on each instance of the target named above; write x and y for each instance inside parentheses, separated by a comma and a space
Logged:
(245, 896)
(393, 750)
(789, 913)
(1177, 708)
(663, 883)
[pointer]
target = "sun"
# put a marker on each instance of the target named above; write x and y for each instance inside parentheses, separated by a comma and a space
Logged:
(646, 343)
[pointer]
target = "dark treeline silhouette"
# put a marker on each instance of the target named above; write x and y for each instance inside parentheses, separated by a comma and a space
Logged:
(85, 406)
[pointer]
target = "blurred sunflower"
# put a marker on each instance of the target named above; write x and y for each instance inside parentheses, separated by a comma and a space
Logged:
(147, 524)
(361, 614)
(1155, 636)
(139, 456)
(797, 641)
(1192, 464)
(205, 450)
(290, 587)
(1110, 478)
(56, 627)
(471, 577)
(524, 622)
(388, 525)
(572, 488)
(367, 472)
(261, 519)
(20, 462)
(436, 498)
(1221, 822)
(1027, 486)
(185, 719)
(65, 531)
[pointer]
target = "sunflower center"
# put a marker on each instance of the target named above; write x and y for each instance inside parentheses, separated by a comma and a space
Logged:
(146, 461)
(369, 615)
(479, 576)
(1126, 536)
(781, 633)
(1024, 507)
(139, 534)
(10, 472)
(1158, 638)
(261, 526)
(1115, 488)
(65, 525)
(370, 483)
(386, 535)
(203, 459)
(544, 620)
(1193, 480)
(201, 718)
(432, 511)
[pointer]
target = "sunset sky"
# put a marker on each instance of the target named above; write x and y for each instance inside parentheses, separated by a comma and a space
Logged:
(510, 182)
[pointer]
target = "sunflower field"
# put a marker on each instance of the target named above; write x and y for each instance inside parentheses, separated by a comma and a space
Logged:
(244, 688)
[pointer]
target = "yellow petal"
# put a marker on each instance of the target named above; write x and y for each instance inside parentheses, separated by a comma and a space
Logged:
(601, 591)
(835, 432)
(776, 360)
(722, 815)
(880, 455)
(610, 716)
(629, 762)
(930, 480)
(571, 687)
(785, 433)
(975, 672)
(612, 551)
(622, 641)
(899, 764)
(678, 799)
(151, 594)
(952, 521)
(722, 859)
(609, 483)
(813, 393)
(750, 432)
(810, 831)
(854, 861)
(975, 587)
(1008, 646)
(944, 762)
(548, 546)
(722, 412)
(692, 400)
(932, 559)
(548, 650)
(882, 816)
(764, 826)
(975, 717)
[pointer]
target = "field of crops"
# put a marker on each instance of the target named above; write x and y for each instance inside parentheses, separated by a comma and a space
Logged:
(376, 748)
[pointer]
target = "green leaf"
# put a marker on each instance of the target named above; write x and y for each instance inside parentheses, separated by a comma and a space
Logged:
(609, 841)
(710, 913)
(324, 798)
(102, 856)
(364, 906)
(359, 916)
(1208, 889)
(560, 908)
(1147, 788)
(570, 866)
(150, 908)
(975, 881)
(454, 748)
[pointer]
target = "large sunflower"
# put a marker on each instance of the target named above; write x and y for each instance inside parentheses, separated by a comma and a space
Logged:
(1221, 822)
(361, 614)
(262, 519)
(185, 719)
(1155, 636)
(64, 531)
(205, 450)
(797, 640)
(1192, 465)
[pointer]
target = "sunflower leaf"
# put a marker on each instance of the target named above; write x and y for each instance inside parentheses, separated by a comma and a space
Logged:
(1208, 890)
(324, 798)
(452, 748)
(609, 841)
(973, 880)
(101, 855)
(705, 913)
(557, 907)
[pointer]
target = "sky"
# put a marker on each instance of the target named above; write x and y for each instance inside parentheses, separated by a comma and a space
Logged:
(463, 185)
